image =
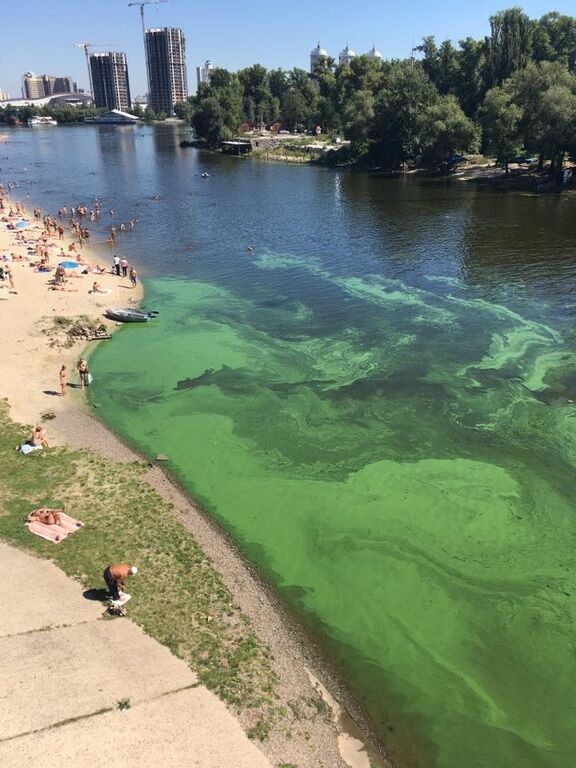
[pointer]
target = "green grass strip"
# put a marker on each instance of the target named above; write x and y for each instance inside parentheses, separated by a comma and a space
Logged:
(178, 598)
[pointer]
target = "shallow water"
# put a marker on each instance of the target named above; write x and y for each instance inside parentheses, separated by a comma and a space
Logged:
(376, 402)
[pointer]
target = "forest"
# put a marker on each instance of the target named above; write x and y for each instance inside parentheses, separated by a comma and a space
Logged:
(510, 94)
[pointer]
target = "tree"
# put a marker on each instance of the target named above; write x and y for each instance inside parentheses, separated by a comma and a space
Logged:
(208, 121)
(184, 110)
(220, 118)
(446, 129)
(406, 93)
(257, 95)
(527, 88)
(431, 58)
(555, 39)
(300, 101)
(295, 110)
(357, 119)
(362, 74)
(555, 123)
(501, 121)
(509, 44)
(470, 77)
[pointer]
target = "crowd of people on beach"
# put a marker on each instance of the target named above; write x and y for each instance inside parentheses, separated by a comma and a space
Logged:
(33, 242)
(39, 247)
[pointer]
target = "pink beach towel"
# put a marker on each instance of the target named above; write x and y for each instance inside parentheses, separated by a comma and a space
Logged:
(56, 533)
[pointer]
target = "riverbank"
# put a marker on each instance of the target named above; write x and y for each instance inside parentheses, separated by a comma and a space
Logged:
(279, 704)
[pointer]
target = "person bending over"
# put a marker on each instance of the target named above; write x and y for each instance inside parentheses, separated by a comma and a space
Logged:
(115, 576)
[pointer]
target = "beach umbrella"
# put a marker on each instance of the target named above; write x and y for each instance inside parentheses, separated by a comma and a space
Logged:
(69, 264)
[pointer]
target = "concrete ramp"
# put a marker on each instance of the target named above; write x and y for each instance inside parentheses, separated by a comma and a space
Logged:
(188, 728)
(65, 670)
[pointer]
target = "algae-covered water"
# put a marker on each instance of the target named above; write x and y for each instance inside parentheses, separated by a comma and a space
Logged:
(393, 468)
(369, 383)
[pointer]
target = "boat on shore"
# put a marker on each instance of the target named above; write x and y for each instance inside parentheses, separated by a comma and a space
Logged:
(39, 120)
(129, 315)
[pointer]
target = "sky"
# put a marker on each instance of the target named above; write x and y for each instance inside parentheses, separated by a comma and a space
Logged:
(39, 35)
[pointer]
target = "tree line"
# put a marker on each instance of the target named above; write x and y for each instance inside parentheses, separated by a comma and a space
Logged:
(513, 91)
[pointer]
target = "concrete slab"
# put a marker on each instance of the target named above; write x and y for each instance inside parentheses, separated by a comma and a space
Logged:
(80, 669)
(190, 728)
(45, 595)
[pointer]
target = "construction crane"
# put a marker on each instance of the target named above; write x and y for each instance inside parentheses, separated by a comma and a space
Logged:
(142, 4)
(86, 46)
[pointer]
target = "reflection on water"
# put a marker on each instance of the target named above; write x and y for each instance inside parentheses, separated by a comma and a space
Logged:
(375, 402)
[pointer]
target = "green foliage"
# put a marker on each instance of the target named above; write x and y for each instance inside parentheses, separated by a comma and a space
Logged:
(544, 92)
(509, 44)
(501, 120)
(446, 130)
(260, 731)
(406, 94)
(396, 112)
(62, 113)
(184, 110)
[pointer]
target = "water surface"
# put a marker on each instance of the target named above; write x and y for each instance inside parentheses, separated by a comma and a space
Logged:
(369, 383)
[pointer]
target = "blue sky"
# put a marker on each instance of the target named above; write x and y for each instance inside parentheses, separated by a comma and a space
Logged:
(38, 35)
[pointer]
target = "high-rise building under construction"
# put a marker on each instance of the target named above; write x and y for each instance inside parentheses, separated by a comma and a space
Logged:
(166, 64)
(110, 82)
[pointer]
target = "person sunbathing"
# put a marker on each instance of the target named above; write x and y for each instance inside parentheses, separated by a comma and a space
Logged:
(39, 439)
(46, 515)
(36, 442)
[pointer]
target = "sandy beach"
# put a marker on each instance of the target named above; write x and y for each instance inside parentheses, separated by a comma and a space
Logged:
(30, 365)
(30, 382)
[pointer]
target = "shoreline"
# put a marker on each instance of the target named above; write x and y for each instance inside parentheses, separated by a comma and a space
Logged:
(30, 378)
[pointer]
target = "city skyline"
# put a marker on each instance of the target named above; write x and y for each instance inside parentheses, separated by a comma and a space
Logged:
(234, 38)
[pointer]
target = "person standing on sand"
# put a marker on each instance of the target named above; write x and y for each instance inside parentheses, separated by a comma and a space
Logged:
(115, 576)
(84, 372)
(10, 274)
(133, 277)
(124, 265)
(63, 380)
(116, 265)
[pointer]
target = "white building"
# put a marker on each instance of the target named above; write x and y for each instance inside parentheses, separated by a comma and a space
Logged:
(316, 55)
(374, 54)
(203, 73)
(346, 55)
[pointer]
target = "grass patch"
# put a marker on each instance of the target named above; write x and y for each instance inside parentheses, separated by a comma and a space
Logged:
(260, 730)
(178, 598)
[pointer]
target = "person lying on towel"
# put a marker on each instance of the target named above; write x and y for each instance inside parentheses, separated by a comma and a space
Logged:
(45, 515)
(115, 576)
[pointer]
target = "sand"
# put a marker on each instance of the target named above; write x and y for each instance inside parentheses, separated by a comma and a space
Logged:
(30, 381)
(30, 367)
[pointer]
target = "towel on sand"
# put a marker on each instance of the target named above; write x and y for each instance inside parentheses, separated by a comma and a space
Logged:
(55, 533)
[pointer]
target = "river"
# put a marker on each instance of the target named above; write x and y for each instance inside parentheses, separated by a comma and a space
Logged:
(369, 383)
